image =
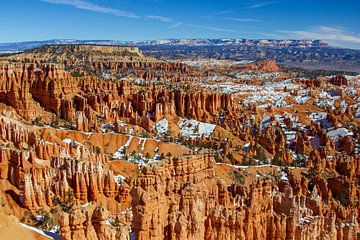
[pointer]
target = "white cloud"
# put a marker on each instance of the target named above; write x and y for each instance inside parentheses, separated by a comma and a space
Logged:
(335, 36)
(212, 28)
(241, 19)
(160, 18)
(176, 25)
(93, 7)
(260, 4)
(212, 15)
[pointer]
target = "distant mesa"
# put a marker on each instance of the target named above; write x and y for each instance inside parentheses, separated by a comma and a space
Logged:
(80, 52)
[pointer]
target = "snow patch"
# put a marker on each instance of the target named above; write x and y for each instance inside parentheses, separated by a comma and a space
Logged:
(119, 179)
(69, 141)
(120, 152)
(37, 230)
(284, 176)
(162, 126)
(194, 129)
(339, 133)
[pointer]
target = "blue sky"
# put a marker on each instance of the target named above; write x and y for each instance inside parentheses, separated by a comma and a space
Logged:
(337, 22)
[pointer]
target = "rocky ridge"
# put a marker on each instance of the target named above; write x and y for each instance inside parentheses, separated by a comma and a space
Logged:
(176, 150)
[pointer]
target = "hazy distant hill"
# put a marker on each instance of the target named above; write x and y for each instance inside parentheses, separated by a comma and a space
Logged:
(20, 46)
(307, 54)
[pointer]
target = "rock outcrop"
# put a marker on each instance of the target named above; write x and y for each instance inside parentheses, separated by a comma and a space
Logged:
(81, 224)
(183, 200)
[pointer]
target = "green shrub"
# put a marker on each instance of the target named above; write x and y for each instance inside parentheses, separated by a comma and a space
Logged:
(116, 222)
(260, 154)
(237, 177)
(342, 197)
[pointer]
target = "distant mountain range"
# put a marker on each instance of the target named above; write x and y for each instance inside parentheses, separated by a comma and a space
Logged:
(305, 54)
(21, 46)
(232, 42)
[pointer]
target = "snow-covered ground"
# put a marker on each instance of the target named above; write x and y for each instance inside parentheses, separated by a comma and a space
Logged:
(106, 75)
(265, 122)
(334, 134)
(50, 234)
(284, 176)
(270, 92)
(257, 75)
(195, 129)
(214, 62)
(119, 179)
(289, 134)
(320, 117)
(339, 133)
(246, 147)
(120, 152)
(307, 220)
(357, 114)
(162, 126)
(326, 99)
(107, 127)
(275, 98)
(69, 140)
(301, 99)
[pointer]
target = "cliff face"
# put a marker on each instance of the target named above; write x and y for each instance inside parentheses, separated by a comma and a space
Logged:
(90, 224)
(25, 87)
(267, 65)
(95, 59)
(45, 175)
(22, 85)
(51, 169)
(183, 199)
(339, 81)
(172, 201)
(70, 54)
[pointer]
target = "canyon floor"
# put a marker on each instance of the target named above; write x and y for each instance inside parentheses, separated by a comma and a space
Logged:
(105, 142)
